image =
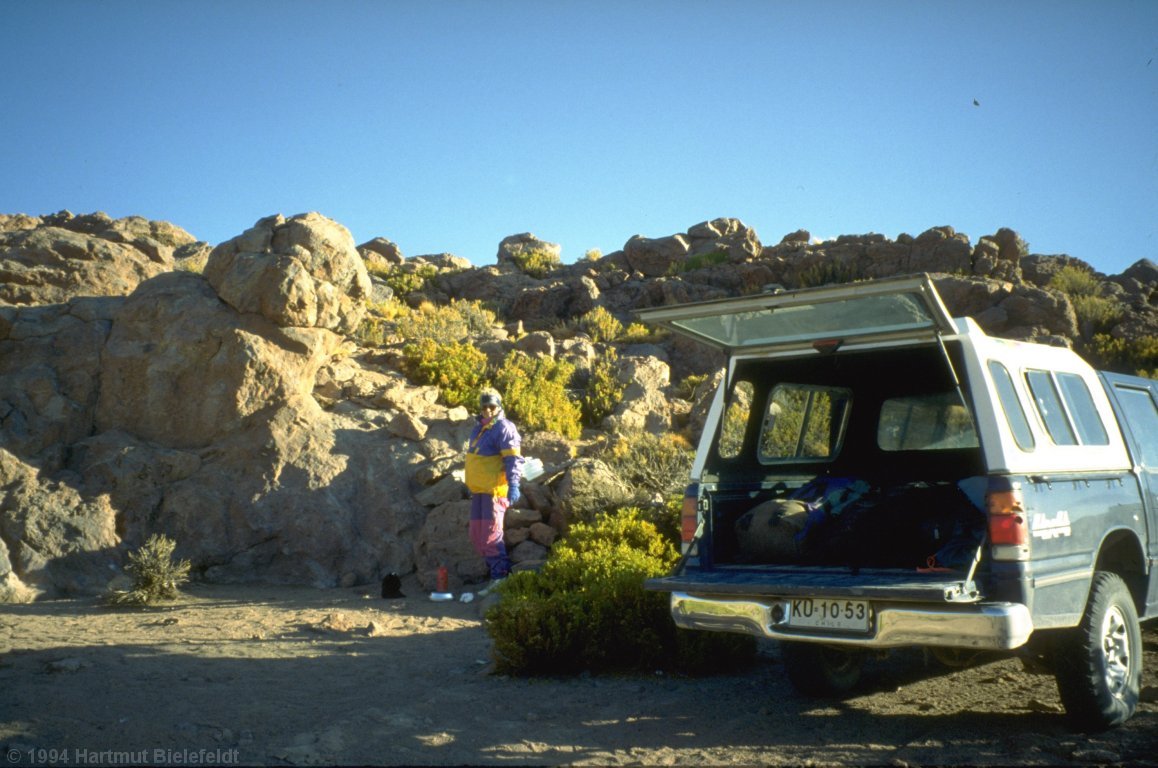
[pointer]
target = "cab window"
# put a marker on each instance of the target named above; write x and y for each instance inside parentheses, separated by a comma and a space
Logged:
(803, 422)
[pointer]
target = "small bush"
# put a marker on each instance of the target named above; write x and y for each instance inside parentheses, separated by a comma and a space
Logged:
(1139, 357)
(593, 254)
(406, 281)
(155, 575)
(535, 393)
(587, 609)
(690, 385)
(445, 324)
(1075, 281)
(601, 325)
(536, 263)
(638, 333)
(701, 260)
(604, 389)
(654, 465)
(828, 273)
(1096, 313)
(458, 369)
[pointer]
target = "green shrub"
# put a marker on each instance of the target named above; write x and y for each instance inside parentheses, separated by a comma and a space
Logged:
(654, 465)
(690, 385)
(701, 260)
(828, 273)
(372, 332)
(604, 389)
(638, 333)
(378, 326)
(446, 323)
(458, 369)
(1095, 313)
(587, 608)
(155, 575)
(601, 325)
(406, 281)
(535, 393)
(593, 254)
(536, 263)
(1075, 281)
(1139, 357)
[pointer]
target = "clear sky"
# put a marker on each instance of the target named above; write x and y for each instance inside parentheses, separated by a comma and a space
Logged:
(446, 126)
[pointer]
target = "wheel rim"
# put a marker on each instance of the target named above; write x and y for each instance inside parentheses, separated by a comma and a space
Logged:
(1116, 652)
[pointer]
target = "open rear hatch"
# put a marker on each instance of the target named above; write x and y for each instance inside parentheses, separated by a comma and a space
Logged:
(831, 317)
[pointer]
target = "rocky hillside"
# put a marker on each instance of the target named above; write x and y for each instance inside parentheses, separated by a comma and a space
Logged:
(232, 398)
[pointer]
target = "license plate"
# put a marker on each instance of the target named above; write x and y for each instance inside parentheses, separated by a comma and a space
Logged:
(815, 613)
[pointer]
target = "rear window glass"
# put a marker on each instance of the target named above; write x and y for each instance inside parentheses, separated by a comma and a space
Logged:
(926, 423)
(803, 422)
(1011, 405)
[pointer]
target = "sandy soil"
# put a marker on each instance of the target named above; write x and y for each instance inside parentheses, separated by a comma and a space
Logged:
(265, 675)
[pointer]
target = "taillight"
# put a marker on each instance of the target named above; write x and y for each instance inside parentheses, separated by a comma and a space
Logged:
(1008, 528)
(688, 516)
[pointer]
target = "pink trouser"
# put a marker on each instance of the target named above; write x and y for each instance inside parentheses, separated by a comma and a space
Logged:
(486, 532)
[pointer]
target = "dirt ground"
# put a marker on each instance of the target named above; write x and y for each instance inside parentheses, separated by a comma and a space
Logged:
(277, 676)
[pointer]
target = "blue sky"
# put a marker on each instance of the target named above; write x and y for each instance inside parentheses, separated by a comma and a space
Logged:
(446, 126)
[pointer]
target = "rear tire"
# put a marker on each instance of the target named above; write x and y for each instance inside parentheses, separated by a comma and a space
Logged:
(821, 670)
(1099, 670)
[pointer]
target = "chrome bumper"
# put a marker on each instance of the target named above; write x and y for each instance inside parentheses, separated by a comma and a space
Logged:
(983, 626)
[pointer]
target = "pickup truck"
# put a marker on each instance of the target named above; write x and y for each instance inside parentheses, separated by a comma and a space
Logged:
(874, 474)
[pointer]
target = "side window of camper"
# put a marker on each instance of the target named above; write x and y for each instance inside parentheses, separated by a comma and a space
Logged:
(803, 422)
(1081, 406)
(735, 421)
(1066, 408)
(1011, 405)
(1049, 407)
(925, 423)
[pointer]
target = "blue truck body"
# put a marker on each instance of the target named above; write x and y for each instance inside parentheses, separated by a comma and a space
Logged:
(876, 474)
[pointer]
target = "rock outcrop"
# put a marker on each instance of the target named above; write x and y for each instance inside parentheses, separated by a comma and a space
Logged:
(150, 383)
(52, 259)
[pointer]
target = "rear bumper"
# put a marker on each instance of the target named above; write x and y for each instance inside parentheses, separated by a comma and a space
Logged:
(981, 626)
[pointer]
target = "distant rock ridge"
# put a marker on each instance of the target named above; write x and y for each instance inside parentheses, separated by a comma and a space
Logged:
(153, 383)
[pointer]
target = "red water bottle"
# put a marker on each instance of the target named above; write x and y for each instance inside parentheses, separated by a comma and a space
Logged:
(443, 579)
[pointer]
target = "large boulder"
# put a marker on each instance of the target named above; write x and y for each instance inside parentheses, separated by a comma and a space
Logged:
(654, 257)
(299, 272)
(183, 369)
(589, 486)
(514, 247)
(726, 236)
(643, 405)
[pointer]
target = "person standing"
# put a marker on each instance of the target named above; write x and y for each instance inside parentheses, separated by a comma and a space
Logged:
(493, 471)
